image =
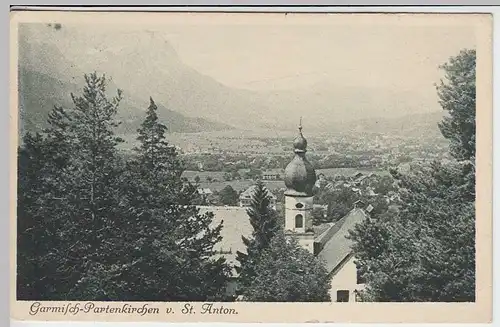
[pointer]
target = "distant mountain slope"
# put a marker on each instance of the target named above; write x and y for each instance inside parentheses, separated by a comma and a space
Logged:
(415, 125)
(146, 64)
(39, 92)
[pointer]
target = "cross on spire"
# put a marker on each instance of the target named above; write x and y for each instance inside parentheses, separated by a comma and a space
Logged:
(300, 125)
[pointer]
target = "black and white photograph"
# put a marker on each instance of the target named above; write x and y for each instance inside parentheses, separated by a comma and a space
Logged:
(327, 159)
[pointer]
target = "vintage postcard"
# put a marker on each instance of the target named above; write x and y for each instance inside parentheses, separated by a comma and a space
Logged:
(251, 167)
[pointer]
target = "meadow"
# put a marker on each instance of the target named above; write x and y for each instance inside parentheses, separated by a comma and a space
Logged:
(219, 183)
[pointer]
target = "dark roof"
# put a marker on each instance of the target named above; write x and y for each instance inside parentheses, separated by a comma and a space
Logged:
(320, 229)
(339, 247)
(237, 223)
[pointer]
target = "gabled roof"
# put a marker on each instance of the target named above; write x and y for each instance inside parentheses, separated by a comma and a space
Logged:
(357, 175)
(319, 230)
(338, 247)
(236, 224)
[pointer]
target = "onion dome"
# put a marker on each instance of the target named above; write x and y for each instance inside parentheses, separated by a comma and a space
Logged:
(300, 176)
(300, 143)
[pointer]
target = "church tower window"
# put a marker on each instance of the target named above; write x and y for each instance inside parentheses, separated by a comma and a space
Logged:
(299, 221)
(299, 206)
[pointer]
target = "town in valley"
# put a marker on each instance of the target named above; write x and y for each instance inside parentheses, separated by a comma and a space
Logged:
(287, 162)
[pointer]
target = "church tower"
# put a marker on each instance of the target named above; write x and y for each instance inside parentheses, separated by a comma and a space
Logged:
(300, 178)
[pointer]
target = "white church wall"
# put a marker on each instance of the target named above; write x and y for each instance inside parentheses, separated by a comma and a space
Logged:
(304, 209)
(306, 241)
(345, 280)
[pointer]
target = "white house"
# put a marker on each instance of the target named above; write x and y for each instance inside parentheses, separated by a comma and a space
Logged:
(327, 241)
(270, 175)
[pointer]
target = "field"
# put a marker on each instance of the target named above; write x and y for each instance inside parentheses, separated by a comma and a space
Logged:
(243, 184)
(349, 171)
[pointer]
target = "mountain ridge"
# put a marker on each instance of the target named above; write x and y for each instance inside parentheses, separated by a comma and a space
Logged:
(39, 93)
(195, 102)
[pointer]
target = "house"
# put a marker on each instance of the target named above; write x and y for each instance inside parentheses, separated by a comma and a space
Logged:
(359, 204)
(335, 250)
(359, 178)
(328, 242)
(370, 191)
(330, 245)
(246, 197)
(330, 186)
(269, 175)
(206, 195)
(236, 224)
(357, 175)
(356, 190)
(321, 181)
(204, 191)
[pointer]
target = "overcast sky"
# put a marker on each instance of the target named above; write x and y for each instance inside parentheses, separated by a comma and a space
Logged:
(289, 53)
(342, 66)
(257, 57)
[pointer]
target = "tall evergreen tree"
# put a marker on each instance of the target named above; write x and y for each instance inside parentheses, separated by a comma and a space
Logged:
(170, 243)
(75, 211)
(154, 151)
(264, 221)
(425, 251)
(92, 228)
(34, 232)
(457, 96)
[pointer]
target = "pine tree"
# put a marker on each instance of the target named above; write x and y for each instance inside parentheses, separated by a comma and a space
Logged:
(91, 184)
(288, 273)
(264, 222)
(425, 251)
(228, 196)
(170, 244)
(457, 96)
(74, 213)
(154, 151)
(33, 230)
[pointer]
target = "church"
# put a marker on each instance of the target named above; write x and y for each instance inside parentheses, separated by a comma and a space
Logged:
(327, 242)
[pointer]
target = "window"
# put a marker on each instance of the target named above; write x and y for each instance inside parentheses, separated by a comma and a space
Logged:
(343, 296)
(299, 221)
(299, 205)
